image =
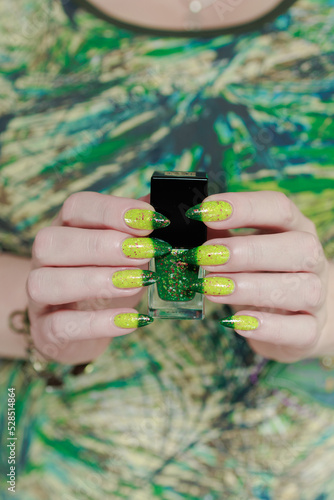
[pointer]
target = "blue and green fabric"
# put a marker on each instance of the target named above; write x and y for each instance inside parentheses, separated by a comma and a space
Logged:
(178, 409)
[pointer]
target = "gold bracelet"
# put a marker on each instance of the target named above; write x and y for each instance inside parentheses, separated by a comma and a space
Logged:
(52, 372)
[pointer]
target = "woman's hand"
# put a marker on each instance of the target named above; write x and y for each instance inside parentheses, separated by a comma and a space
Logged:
(277, 278)
(87, 274)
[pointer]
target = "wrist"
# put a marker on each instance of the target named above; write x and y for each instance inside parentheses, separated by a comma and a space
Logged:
(37, 364)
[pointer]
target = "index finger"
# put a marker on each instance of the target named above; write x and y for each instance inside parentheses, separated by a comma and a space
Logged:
(258, 209)
(87, 209)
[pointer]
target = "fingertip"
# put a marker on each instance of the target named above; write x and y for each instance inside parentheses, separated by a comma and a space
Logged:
(242, 322)
(211, 211)
(126, 320)
(145, 219)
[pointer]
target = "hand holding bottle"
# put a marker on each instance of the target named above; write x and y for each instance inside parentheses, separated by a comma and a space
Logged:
(277, 279)
(88, 273)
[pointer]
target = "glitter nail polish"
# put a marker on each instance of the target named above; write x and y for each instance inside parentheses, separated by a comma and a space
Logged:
(145, 219)
(172, 194)
(214, 285)
(239, 322)
(210, 211)
(132, 320)
(208, 255)
(144, 248)
(133, 278)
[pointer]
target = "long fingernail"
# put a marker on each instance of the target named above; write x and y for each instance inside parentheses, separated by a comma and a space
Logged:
(207, 255)
(132, 320)
(145, 248)
(215, 285)
(145, 219)
(240, 322)
(210, 211)
(133, 278)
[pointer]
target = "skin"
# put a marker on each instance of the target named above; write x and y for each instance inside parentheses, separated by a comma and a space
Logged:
(69, 286)
(290, 292)
(14, 272)
(76, 298)
(155, 13)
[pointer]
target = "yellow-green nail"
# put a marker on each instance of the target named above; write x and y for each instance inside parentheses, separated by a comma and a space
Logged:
(210, 211)
(145, 219)
(145, 248)
(207, 255)
(132, 320)
(215, 285)
(133, 278)
(240, 322)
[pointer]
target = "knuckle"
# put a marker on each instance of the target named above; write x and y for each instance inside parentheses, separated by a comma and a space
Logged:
(254, 253)
(89, 282)
(68, 208)
(56, 329)
(310, 336)
(250, 210)
(90, 323)
(312, 251)
(286, 209)
(257, 293)
(313, 291)
(54, 325)
(96, 244)
(311, 243)
(41, 344)
(42, 244)
(107, 214)
(95, 283)
(35, 285)
(311, 226)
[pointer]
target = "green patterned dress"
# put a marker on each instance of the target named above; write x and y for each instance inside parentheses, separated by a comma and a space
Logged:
(178, 409)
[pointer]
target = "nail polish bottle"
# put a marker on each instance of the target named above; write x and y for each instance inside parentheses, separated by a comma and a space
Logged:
(172, 194)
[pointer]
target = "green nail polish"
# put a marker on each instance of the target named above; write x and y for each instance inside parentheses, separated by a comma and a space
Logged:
(210, 211)
(240, 322)
(171, 194)
(214, 285)
(132, 320)
(133, 278)
(175, 277)
(207, 255)
(145, 219)
(145, 248)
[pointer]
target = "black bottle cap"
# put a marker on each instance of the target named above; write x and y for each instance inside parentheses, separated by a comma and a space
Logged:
(172, 194)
